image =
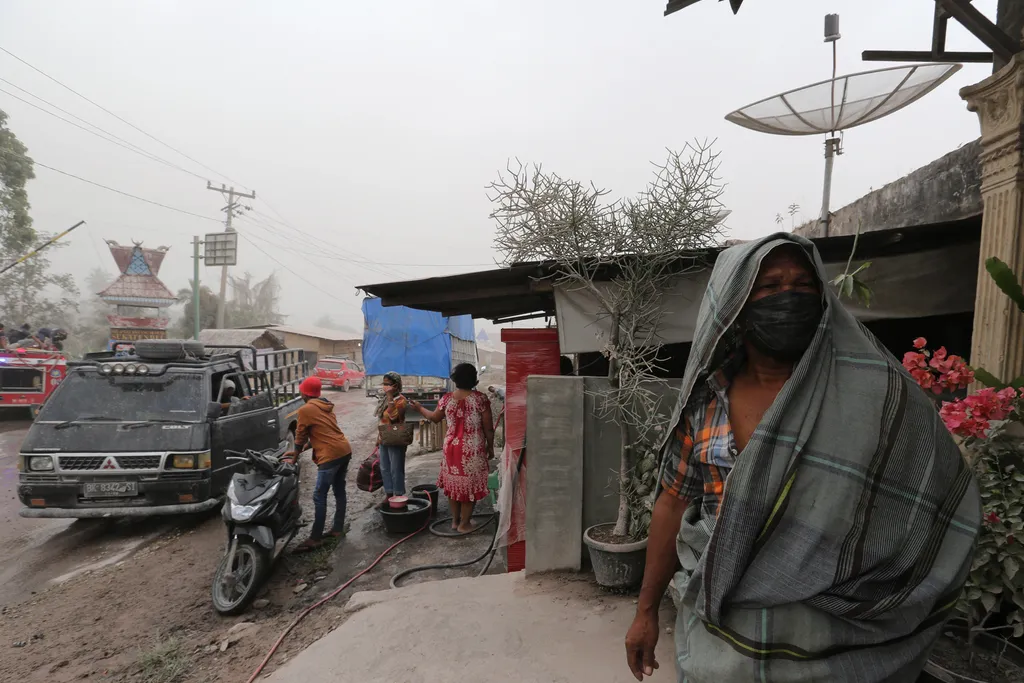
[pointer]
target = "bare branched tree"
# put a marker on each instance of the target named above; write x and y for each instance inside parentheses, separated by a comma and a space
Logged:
(624, 253)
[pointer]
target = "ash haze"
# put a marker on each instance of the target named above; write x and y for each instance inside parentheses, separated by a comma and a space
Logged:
(376, 126)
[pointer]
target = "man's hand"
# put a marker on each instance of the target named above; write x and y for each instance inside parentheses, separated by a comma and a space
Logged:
(290, 456)
(641, 640)
(414, 404)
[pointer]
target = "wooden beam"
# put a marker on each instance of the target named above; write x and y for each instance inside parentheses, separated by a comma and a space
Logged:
(982, 28)
(675, 5)
(939, 31)
(921, 56)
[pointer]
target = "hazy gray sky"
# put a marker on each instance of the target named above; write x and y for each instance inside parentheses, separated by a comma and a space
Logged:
(376, 126)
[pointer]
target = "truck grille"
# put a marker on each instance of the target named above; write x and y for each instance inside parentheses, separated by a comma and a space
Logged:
(138, 462)
(81, 462)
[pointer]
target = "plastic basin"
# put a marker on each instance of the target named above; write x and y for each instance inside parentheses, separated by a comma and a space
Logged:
(412, 518)
(428, 492)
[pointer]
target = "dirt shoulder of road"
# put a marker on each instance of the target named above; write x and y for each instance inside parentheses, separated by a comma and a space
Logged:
(148, 617)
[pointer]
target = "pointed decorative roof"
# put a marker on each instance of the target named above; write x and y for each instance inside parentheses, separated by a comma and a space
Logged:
(138, 284)
(137, 257)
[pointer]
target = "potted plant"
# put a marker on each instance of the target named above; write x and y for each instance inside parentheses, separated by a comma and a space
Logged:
(989, 426)
(624, 254)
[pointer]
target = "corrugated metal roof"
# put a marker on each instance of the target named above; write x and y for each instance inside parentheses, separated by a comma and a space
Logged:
(310, 331)
(261, 339)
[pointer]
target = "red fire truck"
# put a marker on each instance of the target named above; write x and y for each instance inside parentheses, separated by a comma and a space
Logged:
(29, 376)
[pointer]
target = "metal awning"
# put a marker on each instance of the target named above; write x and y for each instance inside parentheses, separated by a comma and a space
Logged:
(516, 291)
(526, 290)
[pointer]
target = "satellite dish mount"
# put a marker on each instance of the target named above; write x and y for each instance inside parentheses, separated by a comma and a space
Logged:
(830, 107)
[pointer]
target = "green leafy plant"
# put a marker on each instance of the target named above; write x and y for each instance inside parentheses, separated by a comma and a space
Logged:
(848, 284)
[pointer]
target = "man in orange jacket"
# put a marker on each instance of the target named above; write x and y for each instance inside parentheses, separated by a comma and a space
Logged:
(318, 429)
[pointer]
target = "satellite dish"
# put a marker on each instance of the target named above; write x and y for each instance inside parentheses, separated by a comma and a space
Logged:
(858, 99)
(842, 102)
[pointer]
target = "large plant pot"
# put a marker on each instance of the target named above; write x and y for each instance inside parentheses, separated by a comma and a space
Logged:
(616, 565)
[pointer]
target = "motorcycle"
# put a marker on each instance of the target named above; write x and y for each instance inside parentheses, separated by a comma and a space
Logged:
(262, 514)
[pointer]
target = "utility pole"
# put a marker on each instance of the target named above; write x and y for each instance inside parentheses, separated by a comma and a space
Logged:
(195, 286)
(231, 193)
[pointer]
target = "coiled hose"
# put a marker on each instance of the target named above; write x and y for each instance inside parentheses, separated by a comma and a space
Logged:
(491, 547)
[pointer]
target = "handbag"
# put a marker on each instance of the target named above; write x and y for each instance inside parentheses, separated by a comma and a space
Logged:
(396, 434)
(368, 478)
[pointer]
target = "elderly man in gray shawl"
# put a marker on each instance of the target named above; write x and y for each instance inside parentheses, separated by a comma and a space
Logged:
(823, 517)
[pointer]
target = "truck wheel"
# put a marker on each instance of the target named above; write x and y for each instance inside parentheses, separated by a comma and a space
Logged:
(231, 595)
(290, 439)
(346, 386)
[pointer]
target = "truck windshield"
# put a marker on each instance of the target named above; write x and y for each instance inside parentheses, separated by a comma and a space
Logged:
(175, 396)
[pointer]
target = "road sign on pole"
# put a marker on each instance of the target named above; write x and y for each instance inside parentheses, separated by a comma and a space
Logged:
(221, 248)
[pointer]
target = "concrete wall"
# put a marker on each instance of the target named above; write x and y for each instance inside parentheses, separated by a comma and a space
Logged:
(554, 473)
(944, 191)
(572, 467)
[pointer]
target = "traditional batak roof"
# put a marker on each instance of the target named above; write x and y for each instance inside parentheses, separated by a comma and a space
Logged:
(138, 284)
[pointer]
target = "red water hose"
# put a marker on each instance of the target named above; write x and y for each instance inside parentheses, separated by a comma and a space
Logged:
(329, 596)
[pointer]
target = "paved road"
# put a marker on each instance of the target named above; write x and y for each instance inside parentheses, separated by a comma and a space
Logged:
(39, 551)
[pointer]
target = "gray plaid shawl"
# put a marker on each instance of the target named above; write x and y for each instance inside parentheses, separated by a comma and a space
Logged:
(848, 523)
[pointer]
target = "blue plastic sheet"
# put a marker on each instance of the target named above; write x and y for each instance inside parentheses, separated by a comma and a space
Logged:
(410, 341)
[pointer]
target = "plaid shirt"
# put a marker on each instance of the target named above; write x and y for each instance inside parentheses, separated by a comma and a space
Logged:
(702, 450)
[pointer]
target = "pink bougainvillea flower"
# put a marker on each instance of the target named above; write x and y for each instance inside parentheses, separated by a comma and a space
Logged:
(992, 518)
(1009, 539)
(923, 377)
(962, 421)
(989, 404)
(953, 414)
(920, 343)
(912, 359)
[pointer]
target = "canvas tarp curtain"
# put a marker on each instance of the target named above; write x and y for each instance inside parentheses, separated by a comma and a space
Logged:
(410, 341)
(934, 282)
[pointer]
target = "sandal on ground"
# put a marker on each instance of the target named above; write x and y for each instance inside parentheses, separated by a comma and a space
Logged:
(306, 546)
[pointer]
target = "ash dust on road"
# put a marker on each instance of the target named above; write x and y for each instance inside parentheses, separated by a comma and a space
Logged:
(130, 601)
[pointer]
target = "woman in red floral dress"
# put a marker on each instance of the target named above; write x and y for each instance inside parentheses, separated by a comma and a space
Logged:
(468, 444)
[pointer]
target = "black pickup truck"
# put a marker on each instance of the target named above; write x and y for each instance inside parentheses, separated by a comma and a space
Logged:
(145, 433)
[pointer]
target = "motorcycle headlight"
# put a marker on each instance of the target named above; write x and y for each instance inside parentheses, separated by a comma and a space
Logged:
(243, 513)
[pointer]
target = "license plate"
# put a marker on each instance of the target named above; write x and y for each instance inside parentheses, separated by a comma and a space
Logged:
(110, 489)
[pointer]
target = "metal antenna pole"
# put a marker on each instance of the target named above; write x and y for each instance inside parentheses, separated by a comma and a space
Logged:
(831, 149)
(229, 210)
(831, 143)
(195, 286)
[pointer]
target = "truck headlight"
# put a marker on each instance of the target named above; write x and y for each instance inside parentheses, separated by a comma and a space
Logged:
(40, 463)
(203, 461)
(183, 461)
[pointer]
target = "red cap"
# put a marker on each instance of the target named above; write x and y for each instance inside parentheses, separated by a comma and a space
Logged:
(311, 387)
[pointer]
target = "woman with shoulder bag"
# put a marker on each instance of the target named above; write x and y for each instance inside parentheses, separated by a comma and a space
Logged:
(394, 435)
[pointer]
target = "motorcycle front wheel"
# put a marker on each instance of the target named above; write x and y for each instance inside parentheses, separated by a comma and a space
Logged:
(234, 588)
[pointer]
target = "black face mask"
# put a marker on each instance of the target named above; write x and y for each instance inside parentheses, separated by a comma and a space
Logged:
(782, 325)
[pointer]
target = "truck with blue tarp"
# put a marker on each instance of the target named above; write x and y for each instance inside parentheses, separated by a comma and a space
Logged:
(421, 346)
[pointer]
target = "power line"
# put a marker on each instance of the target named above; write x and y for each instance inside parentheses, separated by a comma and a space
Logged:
(308, 282)
(119, 118)
(113, 139)
(111, 189)
(318, 245)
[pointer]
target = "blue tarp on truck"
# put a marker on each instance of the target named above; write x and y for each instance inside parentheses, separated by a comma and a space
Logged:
(410, 341)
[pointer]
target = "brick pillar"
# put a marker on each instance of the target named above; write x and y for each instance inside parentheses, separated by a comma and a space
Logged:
(998, 344)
